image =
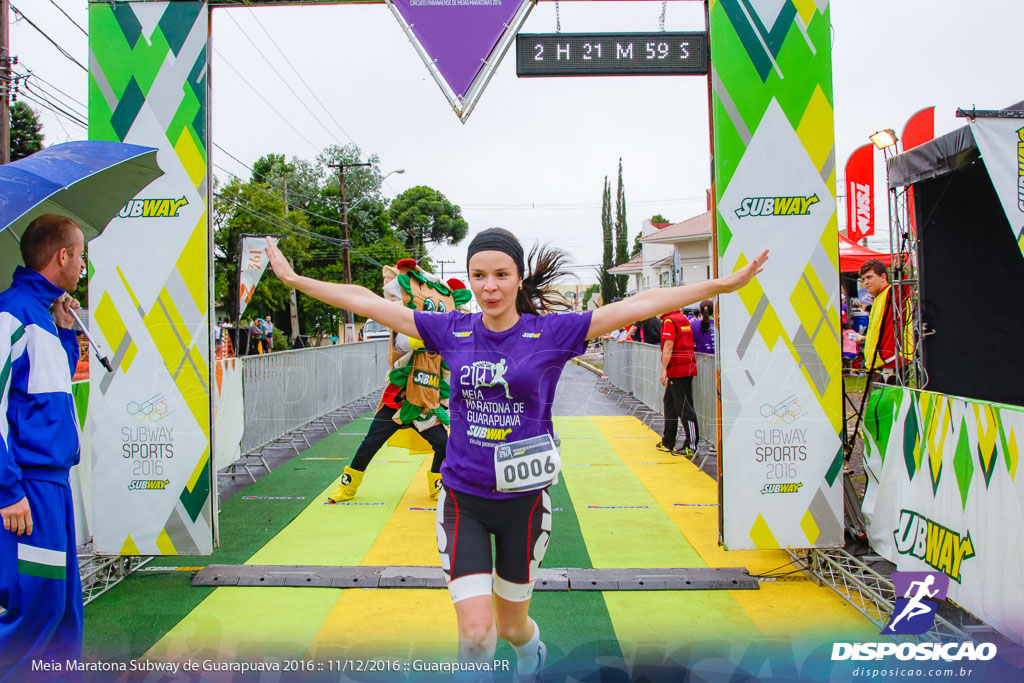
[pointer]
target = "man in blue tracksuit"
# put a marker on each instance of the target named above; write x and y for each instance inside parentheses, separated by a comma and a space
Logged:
(40, 586)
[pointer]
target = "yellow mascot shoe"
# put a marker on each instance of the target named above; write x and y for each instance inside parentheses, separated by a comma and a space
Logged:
(350, 481)
(433, 485)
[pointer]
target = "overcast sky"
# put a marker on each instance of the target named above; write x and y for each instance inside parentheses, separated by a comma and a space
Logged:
(534, 154)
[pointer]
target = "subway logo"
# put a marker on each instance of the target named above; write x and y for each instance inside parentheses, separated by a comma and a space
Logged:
(152, 208)
(776, 206)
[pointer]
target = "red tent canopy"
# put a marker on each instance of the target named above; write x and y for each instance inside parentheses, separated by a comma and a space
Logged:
(853, 255)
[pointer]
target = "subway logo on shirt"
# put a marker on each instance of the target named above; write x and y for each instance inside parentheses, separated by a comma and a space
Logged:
(426, 379)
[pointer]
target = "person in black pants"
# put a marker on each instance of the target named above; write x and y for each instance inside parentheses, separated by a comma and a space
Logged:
(678, 368)
(381, 429)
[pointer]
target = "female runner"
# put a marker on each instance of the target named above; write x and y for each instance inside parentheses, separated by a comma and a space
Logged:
(505, 363)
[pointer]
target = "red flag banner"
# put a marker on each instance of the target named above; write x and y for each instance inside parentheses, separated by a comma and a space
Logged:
(860, 193)
(920, 128)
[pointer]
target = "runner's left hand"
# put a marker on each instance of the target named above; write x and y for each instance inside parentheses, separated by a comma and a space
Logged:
(741, 277)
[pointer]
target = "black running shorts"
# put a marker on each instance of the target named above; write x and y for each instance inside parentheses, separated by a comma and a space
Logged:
(521, 528)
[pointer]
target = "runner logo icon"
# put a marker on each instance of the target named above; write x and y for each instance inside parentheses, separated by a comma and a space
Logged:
(914, 612)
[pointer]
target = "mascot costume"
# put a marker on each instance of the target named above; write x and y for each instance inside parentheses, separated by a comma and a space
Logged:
(416, 397)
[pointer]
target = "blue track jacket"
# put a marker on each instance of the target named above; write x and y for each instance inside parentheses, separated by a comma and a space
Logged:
(38, 424)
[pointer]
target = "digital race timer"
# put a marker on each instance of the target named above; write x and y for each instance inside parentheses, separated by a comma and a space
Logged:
(611, 54)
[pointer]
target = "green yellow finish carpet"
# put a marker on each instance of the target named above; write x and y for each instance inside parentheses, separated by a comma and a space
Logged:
(620, 503)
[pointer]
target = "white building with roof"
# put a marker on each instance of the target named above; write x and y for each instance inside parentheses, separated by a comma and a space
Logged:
(672, 254)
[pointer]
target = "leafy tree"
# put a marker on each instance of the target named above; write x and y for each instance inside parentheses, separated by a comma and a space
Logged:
(638, 246)
(26, 131)
(422, 214)
(658, 218)
(310, 224)
(590, 293)
(250, 208)
(621, 236)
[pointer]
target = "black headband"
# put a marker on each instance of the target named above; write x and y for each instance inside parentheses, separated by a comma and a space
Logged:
(496, 241)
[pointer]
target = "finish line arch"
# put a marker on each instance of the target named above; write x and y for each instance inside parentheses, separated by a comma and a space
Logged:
(774, 186)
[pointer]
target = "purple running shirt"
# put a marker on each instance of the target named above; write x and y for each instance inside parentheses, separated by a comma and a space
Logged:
(502, 385)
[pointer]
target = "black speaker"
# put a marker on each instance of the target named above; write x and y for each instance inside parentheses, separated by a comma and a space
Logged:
(972, 288)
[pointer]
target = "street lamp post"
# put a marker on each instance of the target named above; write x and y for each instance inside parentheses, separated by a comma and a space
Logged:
(350, 326)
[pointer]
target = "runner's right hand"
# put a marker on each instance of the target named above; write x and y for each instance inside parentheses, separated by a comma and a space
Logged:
(282, 269)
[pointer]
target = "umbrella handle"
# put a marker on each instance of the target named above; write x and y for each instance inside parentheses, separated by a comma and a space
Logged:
(104, 361)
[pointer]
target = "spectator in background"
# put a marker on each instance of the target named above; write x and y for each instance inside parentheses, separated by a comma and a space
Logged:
(880, 342)
(256, 336)
(851, 347)
(268, 334)
(646, 331)
(859, 315)
(678, 368)
(703, 326)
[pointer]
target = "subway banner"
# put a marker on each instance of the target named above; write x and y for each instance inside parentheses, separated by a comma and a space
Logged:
(779, 354)
(149, 420)
(943, 495)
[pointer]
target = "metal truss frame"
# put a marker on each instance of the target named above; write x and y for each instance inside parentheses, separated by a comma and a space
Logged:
(870, 593)
(906, 292)
(101, 573)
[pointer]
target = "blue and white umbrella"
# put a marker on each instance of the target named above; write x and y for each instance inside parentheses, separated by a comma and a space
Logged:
(88, 181)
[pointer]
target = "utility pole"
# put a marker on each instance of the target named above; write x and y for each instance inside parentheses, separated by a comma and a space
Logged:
(5, 83)
(293, 300)
(441, 263)
(350, 325)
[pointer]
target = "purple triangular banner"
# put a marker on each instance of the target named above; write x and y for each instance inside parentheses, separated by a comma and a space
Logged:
(458, 35)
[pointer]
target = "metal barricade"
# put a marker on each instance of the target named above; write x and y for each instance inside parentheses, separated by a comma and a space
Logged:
(285, 390)
(636, 368)
(705, 398)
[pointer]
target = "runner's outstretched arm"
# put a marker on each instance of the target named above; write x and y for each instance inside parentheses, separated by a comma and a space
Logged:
(652, 302)
(355, 298)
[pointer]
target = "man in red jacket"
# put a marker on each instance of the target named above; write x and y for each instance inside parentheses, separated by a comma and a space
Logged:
(678, 368)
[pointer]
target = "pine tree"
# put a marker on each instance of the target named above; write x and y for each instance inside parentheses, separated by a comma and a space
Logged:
(609, 284)
(621, 237)
(26, 131)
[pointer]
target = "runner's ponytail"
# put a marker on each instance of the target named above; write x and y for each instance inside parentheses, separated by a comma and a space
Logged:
(546, 265)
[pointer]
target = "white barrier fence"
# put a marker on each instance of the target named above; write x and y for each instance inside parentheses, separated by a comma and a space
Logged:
(636, 368)
(288, 389)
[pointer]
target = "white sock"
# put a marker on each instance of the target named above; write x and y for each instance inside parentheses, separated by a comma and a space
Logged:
(527, 654)
(473, 675)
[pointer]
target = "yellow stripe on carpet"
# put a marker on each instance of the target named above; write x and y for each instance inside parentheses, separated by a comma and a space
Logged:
(336, 535)
(248, 624)
(778, 608)
(624, 526)
(405, 624)
(410, 536)
(674, 479)
(328, 535)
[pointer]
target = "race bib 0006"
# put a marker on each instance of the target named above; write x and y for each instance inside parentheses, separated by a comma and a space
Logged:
(526, 465)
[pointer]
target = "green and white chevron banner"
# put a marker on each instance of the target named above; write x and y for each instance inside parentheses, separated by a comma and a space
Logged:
(150, 293)
(779, 356)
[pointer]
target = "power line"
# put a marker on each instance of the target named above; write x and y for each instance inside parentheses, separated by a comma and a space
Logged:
(245, 205)
(36, 76)
(265, 100)
(299, 74)
(31, 89)
(52, 41)
(56, 110)
(84, 32)
(279, 198)
(283, 79)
